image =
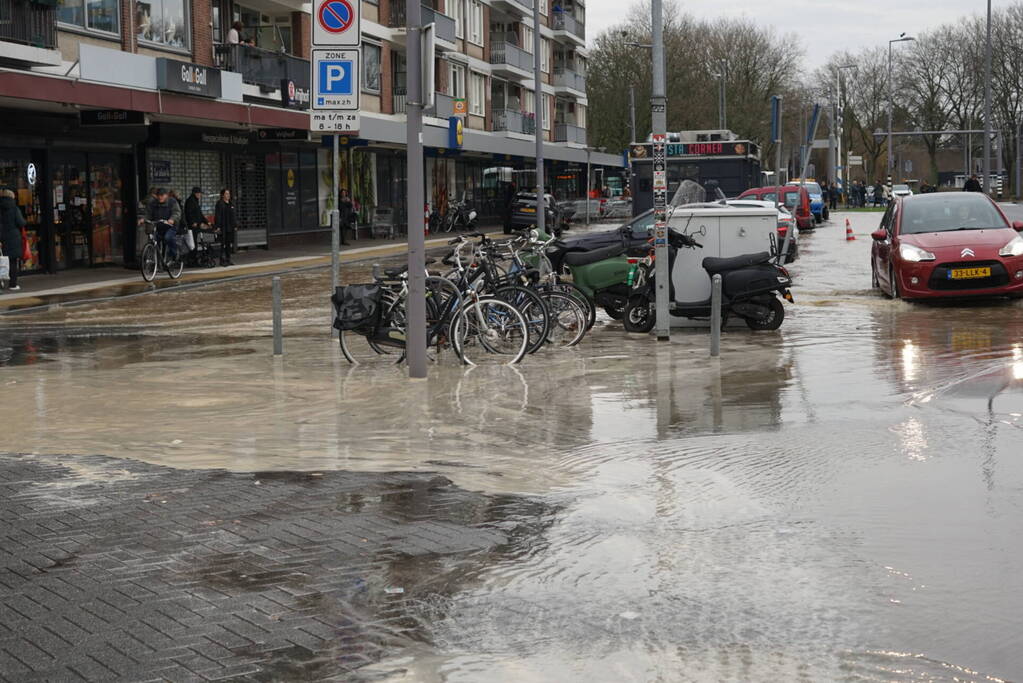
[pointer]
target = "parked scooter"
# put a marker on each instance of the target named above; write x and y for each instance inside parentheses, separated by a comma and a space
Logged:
(750, 287)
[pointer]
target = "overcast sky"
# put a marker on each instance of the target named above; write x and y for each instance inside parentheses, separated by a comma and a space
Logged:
(823, 26)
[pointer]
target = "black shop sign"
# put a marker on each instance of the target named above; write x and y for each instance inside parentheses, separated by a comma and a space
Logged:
(187, 78)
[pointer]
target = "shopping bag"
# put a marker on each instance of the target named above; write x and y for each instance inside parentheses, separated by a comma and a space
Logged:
(5, 268)
(26, 250)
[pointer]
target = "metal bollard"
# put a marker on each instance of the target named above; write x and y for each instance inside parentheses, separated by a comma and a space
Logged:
(335, 261)
(278, 328)
(715, 316)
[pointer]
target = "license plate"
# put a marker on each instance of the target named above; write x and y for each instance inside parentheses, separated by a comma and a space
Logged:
(525, 210)
(968, 273)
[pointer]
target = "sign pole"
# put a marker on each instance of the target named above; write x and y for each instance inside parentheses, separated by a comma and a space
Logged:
(335, 225)
(415, 339)
(541, 198)
(659, 121)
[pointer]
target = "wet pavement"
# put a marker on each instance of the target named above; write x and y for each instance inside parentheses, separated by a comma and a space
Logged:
(839, 500)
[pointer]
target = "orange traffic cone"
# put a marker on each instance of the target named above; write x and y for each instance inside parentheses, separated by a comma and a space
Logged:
(849, 236)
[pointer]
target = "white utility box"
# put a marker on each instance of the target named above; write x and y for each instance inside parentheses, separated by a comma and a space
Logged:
(723, 232)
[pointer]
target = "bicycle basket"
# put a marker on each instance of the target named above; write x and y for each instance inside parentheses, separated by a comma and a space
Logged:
(357, 307)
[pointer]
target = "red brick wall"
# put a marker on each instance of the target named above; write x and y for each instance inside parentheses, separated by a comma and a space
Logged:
(127, 27)
(300, 34)
(202, 32)
(385, 11)
(488, 110)
(386, 76)
(486, 33)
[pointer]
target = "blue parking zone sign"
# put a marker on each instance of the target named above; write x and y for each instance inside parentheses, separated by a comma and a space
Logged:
(336, 76)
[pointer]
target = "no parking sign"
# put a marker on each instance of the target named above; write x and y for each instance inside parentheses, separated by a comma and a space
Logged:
(337, 22)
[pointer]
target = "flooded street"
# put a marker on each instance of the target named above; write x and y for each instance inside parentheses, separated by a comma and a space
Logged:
(838, 500)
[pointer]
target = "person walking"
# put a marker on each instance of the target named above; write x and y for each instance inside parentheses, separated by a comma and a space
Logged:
(833, 197)
(11, 223)
(972, 184)
(346, 207)
(225, 219)
(194, 218)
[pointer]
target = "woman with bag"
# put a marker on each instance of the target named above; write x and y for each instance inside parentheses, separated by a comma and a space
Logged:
(11, 223)
(346, 211)
(226, 221)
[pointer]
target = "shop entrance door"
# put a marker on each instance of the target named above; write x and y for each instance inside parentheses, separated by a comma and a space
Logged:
(72, 220)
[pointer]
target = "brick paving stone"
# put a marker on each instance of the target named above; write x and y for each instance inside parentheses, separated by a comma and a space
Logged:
(135, 572)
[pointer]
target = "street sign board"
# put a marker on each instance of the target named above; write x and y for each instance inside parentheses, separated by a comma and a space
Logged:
(855, 160)
(335, 80)
(335, 122)
(337, 23)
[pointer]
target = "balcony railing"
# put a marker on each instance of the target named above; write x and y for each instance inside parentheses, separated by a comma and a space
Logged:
(565, 78)
(566, 22)
(28, 23)
(510, 55)
(261, 67)
(514, 121)
(445, 105)
(566, 132)
(399, 101)
(443, 24)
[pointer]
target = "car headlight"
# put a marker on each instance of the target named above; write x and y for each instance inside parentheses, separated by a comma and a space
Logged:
(1013, 248)
(914, 254)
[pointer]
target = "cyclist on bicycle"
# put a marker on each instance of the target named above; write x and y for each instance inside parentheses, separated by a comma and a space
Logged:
(165, 212)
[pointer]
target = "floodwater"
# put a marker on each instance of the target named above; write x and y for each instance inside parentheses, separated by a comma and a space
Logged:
(839, 500)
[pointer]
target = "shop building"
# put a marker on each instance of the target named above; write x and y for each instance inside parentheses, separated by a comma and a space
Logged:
(100, 101)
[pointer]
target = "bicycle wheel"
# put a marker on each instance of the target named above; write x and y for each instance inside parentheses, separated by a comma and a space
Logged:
(175, 266)
(149, 262)
(568, 319)
(359, 350)
(489, 330)
(533, 309)
(443, 301)
(572, 290)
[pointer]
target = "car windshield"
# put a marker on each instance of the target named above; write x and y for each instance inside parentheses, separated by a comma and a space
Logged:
(791, 199)
(947, 212)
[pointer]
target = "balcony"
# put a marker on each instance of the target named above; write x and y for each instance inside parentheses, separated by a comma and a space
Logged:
(443, 24)
(264, 68)
(399, 101)
(28, 32)
(511, 121)
(510, 60)
(567, 26)
(566, 79)
(566, 132)
(521, 7)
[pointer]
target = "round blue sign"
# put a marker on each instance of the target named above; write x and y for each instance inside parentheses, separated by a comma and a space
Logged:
(335, 16)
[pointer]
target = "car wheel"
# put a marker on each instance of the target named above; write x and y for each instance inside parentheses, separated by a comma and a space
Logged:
(826, 214)
(874, 282)
(894, 283)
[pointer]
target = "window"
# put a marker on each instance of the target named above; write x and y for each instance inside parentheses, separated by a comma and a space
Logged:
(580, 115)
(371, 67)
(529, 102)
(546, 112)
(164, 22)
(527, 39)
(457, 10)
(545, 55)
(543, 7)
(456, 81)
(95, 15)
(475, 22)
(477, 93)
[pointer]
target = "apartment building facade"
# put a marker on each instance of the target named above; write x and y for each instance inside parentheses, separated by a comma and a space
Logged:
(101, 100)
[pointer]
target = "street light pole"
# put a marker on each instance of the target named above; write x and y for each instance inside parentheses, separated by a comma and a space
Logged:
(987, 105)
(415, 345)
(659, 128)
(632, 113)
(891, 101)
(724, 94)
(541, 196)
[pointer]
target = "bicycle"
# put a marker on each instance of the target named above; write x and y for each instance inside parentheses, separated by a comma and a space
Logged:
(154, 254)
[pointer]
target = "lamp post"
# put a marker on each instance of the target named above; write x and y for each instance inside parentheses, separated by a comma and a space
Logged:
(891, 99)
(722, 75)
(987, 105)
(837, 125)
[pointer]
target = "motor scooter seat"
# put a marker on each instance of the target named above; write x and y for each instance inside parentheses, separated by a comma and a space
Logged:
(583, 258)
(713, 265)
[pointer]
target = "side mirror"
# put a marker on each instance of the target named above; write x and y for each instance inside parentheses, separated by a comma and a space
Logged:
(1017, 226)
(879, 235)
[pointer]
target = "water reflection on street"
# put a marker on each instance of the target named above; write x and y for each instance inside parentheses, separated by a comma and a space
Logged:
(840, 499)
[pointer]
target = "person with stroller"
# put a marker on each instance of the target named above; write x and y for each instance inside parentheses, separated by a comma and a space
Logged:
(226, 221)
(165, 212)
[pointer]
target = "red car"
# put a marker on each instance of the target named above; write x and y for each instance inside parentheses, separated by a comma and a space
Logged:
(948, 244)
(795, 198)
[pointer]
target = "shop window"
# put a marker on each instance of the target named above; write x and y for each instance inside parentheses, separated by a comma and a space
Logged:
(14, 174)
(163, 22)
(371, 67)
(93, 15)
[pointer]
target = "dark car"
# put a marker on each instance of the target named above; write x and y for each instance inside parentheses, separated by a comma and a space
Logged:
(949, 244)
(523, 213)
